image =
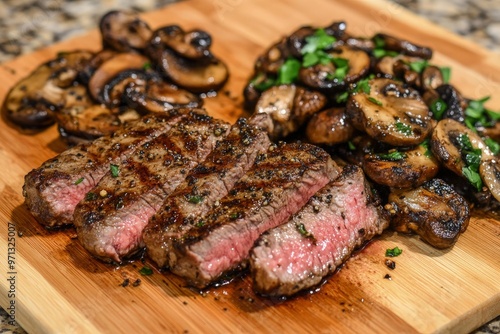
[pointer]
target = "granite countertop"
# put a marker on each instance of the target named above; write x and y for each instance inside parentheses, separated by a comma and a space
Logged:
(26, 25)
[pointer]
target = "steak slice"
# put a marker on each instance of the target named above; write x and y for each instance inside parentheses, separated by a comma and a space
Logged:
(205, 185)
(320, 237)
(54, 189)
(277, 186)
(111, 218)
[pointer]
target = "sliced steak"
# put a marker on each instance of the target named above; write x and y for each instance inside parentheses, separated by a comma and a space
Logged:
(111, 218)
(277, 186)
(54, 189)
(320, 237)
(205, 185)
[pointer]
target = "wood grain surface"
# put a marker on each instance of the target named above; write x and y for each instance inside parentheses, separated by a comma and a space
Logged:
(61, 289)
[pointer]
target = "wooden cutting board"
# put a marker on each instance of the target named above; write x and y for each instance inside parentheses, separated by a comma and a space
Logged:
(60, 288)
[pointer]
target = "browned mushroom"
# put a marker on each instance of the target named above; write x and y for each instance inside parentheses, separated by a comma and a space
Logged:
(290, 107)
(194, 44)
(401, 168)
(462, 151)
(434, 211)
(402, 46)
(329, 127)
(192, 75)
(31, 102)
(156, 95)
(113, 92)
(324, 77)
(391, 113)
(111, 68)
(124, 31)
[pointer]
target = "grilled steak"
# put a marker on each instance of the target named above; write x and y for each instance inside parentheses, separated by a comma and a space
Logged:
(205, 184)
(299, 254)
(54, 189)
(111, 218)
(277, 186)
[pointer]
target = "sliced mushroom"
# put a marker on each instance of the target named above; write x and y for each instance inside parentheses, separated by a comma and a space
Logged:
(489, 169)
(455, 103)
(87, 122)
(124, 31)
(402, 46)
(392, 113)
(329, 127)
(31, 102)
(447, 145)
(111, 68)
(194, 76)
(156, 95)
(93, 64)
(113, 92)
(194, 44)
(403, 71)
(323, 76)
(434, 211)
(431, 78)
(295, 42)
(290, 107)
(401, 168)
(272, 59)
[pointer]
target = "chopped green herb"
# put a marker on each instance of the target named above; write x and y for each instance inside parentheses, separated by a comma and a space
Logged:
(392, 156)
(492, 145)
(146, 66)
(342, 97)
(374, 101)
(261, 82)
(115, 171)
(438, 108)
(310, 59)
(351, 145)
(200, 223)
(477, 115)
(472, 159)
(403, 128)
(90, 196)
(379, 42)
(473, 177)
(379, 53)
(234, 215)
(302, 230)
(427, 145)
(289, 71)
(80, 180)
(363, 85)
(320, 40)
(419, 65)
(146, 271)
(195, 199)
(392, 252)
(446, 74)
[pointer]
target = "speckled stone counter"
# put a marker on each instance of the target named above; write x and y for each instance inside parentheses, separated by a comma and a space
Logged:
(26, 25)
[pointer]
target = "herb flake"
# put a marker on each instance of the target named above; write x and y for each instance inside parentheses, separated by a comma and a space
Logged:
(80, 180)
(289, 71)
(115, 170)
(403, 128)
(392, 156)
(393, 252)
(146, 271)
(375, 101)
